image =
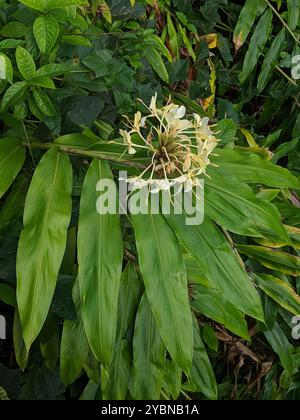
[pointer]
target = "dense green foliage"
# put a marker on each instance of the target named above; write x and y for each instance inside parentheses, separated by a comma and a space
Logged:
(144, 306)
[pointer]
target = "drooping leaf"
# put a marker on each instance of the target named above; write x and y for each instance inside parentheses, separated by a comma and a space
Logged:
(251, 10)
(280, 344)
(148, 355)
(280, 291)
(257, 44)
(219, 264)
(43, 240)
(74, 345)
(12, 157)
(273, 259)
(164, 276)
(45, 5)
(252, 169)
(234, 206)
(100, 253)
(119, 371)
(202, 378)
(271, 60)
(13, 94)
(212, 304)
(156, 62)
(43, 102)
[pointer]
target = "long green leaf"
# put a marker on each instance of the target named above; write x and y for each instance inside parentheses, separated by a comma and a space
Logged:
(251, 10)
(271, 60)
(156, 62)
(121, 364)
(212, 304)
(219, 264)
(74, 345)
(257, 44)
(12, 157)
(280, 291)
(252, 169)
(234, 206)
(202, 378)
(100, 254)
(148, 355)
(275, 260)
(164, 276)
(282, 347)
(43, 240)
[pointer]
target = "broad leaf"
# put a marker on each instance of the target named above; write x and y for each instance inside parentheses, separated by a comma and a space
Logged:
(25, 62)
(252, 169)
(46, 31)
(219, 263)
(164, 276)
(202, 378)
(257, 43)
(275, 260)
(12, 157)
(251, 9)
(43, 240)
(45, 5)
(119, 371)
(234, 206)
(148, 355)
(74, 345)
(100, 254)
(280, 291)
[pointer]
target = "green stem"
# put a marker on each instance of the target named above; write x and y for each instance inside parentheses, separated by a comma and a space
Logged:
(81, 152)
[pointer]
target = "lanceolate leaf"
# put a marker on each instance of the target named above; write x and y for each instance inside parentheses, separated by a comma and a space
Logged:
(202, 378)
(234, 206)
(251, 10)
(257, 43)
(74, 345)
(12, 157)
(148, 355)
(211, 303)
(252, 169)
(293, 13)
(280, 291)
(282, 347)
(100, 254)
(276, 260)
(219, 263)
(43, 240)
(120, 368)
(46, 31)
(271, 60)
(165, 280)
(156, 62)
